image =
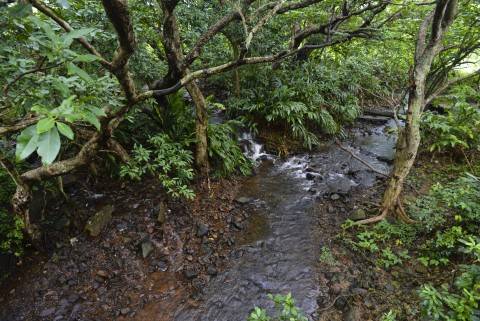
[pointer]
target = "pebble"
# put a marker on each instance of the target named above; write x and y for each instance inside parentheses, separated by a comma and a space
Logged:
(125, 311)
(147, 248)
(47, 312)
(102, 274)
(76, 308)
(340, 303)
(190, 274)
(202, 229)
(211, 270)
(335, 197)
(390, 287)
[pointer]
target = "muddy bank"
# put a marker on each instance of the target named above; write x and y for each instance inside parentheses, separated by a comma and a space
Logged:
(151, 250)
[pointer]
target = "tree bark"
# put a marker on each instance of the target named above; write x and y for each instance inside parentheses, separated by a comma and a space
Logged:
(428, 47)
(201, 154)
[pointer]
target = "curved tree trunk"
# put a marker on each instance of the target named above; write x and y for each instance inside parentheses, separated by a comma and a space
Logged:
(428, 46)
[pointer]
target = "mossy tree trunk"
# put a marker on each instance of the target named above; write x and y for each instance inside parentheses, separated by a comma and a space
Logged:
(428, 46)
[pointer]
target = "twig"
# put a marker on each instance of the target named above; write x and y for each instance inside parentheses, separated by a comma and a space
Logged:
(335, 300)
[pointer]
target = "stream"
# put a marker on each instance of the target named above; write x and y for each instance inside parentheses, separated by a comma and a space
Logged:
(280, 252)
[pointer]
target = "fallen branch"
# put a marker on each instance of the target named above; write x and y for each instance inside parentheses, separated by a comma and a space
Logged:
(360, 159)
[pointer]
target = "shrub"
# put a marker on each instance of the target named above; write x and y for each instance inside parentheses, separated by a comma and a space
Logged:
(224, 151)
(167, 160)
(459, 127)
(451, 213)
(304, 98)
(460, 300)
(285, 310)
(11, 236)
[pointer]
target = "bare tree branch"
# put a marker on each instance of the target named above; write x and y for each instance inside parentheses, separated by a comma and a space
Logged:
(20, 125)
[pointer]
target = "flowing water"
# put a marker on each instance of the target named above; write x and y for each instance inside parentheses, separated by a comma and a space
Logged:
(280, 251)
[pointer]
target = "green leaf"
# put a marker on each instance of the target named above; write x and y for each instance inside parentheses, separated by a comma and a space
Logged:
(39, 109)
(77, 33)
(20, 10)
(27, 143)
(86, 58)
(97, 111)
(47, 28)
(45, 124)
(92, 119)
(65, 4)
(49, 146)
(74, 69)
(65, 130)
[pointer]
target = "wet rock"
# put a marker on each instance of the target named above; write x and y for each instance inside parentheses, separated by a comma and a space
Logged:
(61, 223)
(238, 225)
(125, 311)
(390, 288)
(47, 312)
(358, 291)
(386, 159)
(211, 270)
(357, 215)
(202, 229)
(244, 200)
(335, 197)
(98, 221)
(310, 176)
(161, 266)
(340, 303)
(147, 248)
(190, 274)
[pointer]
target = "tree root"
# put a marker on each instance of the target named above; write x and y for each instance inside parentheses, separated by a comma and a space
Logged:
(402, 214)
(372, 220)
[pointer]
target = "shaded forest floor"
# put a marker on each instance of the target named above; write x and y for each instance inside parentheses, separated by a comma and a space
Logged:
(157, 250)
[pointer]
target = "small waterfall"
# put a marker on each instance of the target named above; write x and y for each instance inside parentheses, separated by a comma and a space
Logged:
(250, 148)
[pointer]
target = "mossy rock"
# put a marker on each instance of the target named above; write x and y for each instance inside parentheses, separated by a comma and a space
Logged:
(98, 221)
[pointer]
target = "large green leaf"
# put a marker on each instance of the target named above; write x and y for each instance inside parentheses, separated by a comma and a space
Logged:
(45, 124)
(49, 146)
(47, 28)
(27, 143)
(77, 33)
(65, 130)
(20, 10)
(74, 69)
(64, 3)
(92, 119)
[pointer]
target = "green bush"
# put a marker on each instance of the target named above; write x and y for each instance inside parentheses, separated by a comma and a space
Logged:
(459, 127)
(450, 213)
(305, 98)
(223, 150)
(167, 160)
(460, 300)
(11, 235)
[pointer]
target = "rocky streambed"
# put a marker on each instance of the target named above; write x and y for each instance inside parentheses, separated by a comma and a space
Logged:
(217, 257)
